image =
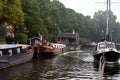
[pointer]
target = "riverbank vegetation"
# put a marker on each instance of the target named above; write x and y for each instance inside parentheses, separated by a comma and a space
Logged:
(51, 18)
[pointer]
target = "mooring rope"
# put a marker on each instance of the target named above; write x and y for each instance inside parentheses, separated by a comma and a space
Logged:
(101, 67)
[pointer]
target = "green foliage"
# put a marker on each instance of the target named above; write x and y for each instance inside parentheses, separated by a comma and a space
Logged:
(83, 41)
(0, 8)
(51, 18)
(2, 32)
(100, 18)
(11, 12)
(33, 21)
(21, 38)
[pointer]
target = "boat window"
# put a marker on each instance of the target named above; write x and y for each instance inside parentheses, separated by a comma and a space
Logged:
(18, 50)
(111, 46)
(1, 54)
(102, 46)
(54, 45)
(36, 41)
(10, 52)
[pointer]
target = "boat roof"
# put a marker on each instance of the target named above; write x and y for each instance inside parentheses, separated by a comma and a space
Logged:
(7, 46)
(106, 42)
(23, 45)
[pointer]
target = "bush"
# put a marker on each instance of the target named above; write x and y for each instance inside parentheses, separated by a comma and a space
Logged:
(83, 40)
(21, 38)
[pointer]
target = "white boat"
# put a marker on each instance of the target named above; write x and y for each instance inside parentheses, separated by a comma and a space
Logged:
(14, 54)
(107, 47)
(108, 50)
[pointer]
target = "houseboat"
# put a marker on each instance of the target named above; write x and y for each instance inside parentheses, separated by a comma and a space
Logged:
(14, 54)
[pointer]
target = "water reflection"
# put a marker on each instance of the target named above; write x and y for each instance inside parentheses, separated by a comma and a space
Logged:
(13, 72)
(68, 66)
(34, 70)
(111, 70)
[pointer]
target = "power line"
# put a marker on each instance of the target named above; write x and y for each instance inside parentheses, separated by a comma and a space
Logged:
(105, 3)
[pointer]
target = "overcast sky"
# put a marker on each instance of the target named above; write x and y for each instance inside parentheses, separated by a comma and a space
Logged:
(89, 7)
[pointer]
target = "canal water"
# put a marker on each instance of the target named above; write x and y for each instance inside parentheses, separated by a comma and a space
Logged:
(78, 65)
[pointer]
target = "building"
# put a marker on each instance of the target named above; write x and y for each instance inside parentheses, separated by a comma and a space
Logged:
(70, 39)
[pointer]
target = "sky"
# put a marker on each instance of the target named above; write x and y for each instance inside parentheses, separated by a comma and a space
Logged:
(89, 7)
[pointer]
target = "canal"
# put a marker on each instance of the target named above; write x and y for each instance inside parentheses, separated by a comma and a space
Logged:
(77, 65)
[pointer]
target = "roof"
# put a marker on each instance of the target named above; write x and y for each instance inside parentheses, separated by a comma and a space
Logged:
(68, 35)
(9, 46)
(106, 42)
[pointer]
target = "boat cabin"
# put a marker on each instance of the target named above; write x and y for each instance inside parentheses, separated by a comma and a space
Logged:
(7, 49)
(103, 45)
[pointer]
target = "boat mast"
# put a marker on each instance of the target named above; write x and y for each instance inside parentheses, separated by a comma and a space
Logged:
(107, 33)
(109, 22)
(110, 36)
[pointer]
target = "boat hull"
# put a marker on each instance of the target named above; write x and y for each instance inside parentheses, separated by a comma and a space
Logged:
(50, 51)
(46, 48)
(110, 56)
(16, 58)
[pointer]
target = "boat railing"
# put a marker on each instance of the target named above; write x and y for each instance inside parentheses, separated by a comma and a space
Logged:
(56, 45)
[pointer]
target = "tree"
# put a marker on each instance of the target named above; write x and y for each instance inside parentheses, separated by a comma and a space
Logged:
(2, 31)
(1, 8)
(33, 22)
(21, 38)
(11, 12)
(101, 19)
